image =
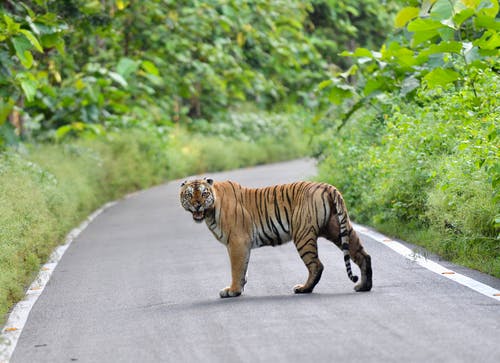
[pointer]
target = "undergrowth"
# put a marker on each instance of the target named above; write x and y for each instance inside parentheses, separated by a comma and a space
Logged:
(427, 171)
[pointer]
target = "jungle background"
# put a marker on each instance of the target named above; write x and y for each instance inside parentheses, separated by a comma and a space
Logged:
(397, 100)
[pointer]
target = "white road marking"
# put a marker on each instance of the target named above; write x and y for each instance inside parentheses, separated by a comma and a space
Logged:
(430, 265)
(19, 314)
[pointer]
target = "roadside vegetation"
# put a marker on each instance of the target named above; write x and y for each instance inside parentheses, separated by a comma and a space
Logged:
(410, 132)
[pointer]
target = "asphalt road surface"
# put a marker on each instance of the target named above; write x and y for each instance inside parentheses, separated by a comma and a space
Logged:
(141, 284)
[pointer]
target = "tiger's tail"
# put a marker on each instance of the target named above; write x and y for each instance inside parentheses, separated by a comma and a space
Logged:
(345, 231)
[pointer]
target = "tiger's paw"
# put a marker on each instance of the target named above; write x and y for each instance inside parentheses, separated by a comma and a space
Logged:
(363, 287)
(301, 289)
(227, 292)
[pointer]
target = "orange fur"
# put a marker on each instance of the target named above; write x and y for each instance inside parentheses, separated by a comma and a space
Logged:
(244, 218)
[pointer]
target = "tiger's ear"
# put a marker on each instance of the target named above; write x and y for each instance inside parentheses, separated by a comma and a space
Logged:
(183, 183)
(209, 181)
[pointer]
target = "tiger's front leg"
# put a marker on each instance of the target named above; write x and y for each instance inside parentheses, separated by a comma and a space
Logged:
(239, 254)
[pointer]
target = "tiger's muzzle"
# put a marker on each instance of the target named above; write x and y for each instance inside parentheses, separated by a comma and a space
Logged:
(199, 216)
(198, 213)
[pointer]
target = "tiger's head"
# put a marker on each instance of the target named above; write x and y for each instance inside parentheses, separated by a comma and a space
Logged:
(197, 196)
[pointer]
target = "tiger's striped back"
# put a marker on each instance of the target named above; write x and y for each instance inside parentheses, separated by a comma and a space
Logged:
(277, 214)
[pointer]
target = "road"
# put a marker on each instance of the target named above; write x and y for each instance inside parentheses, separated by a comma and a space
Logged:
(141, 284)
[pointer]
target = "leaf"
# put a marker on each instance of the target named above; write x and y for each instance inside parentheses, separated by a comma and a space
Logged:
(225, 23)
(351, 71)
(462, 16)
(150, 68)
(30, 12)
(406, 58)
(409, 84)
(118, 79)
(53, 40)
(442, 10)
(12, 26)
(489, 41)
(22, 47)
(363, 52)
(62, 131)
(91, 7)
(446, 33)
(33, 40)
(402, 56)
(420, 37)
(405, 15)
(324, 84)
(443, 47)
(488, 8)
(424, 25)
(28, 84)
(155, 80)
(359, 53)
(440, 77)
(424, 29)
(33, 26)
(126, 66)
(372, 85)
(483, 21)
(339, 93)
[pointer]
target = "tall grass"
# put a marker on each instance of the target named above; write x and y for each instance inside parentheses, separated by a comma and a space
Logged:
(46, 190)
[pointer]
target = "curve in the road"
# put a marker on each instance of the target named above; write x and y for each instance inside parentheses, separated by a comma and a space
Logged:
(410, 315)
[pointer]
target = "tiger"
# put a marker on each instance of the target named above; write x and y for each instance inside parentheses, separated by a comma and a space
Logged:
(246, 218)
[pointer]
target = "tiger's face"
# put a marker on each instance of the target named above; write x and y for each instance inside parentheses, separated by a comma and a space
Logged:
(197, 196)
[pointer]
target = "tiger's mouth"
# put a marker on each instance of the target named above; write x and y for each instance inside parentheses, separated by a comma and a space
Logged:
(199, 216)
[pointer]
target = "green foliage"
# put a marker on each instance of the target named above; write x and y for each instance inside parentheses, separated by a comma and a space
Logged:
(346, 24)
(432, 166)
(443, 42)
(251, 137)
(420, 150)
(24, 39)
(73, 67)
(247, 123)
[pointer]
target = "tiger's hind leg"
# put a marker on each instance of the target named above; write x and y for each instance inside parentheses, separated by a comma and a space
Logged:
(363, 260)
(356, 252)
(307, 247)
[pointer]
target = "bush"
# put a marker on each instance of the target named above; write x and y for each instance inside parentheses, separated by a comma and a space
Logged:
(427, 171)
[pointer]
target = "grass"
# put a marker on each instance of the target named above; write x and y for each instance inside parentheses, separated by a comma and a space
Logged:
(46, 190)
(475, 253)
